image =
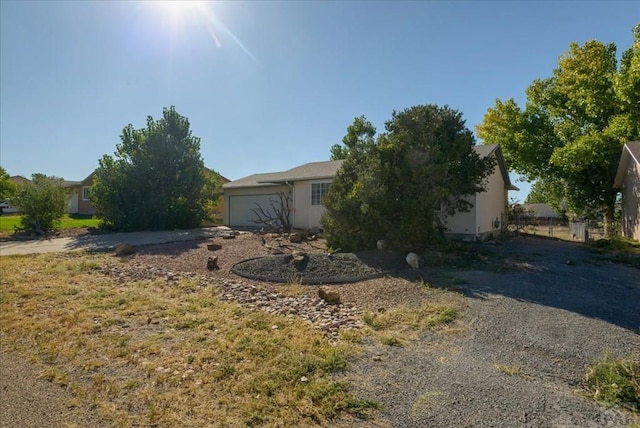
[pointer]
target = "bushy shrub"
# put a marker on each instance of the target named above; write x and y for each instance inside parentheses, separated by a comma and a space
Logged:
(42, 202)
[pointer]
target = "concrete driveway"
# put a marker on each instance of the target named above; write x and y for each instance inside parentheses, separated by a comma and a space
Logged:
(107, 241)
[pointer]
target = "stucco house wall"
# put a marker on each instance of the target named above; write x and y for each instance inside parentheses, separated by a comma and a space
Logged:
(484, 220)
(628, 181)
(493, 204)
(307, 215)
(461, 224)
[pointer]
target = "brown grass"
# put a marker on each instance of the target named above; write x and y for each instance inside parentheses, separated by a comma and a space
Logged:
(152, 352)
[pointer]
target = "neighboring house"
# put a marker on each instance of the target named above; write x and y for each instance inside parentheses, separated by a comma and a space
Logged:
(19, 180)
(628, 180)
(540, 212)
(488, 214)
(78, 194)
(306, 186)
(79, 202)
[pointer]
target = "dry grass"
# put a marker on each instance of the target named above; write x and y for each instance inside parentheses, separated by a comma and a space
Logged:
(158, 353)
(155, 353)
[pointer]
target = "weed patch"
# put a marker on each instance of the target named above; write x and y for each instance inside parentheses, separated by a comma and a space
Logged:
(615, 382)
(396, 326)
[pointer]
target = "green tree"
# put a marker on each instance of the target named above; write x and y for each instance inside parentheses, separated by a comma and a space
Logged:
(7, 187)
(391, 186)
(360, 132)
(211, 191)
(156, 179)
(42, 202)
(571, 132)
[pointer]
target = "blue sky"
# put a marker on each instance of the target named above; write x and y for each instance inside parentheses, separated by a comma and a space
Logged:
(266, 85)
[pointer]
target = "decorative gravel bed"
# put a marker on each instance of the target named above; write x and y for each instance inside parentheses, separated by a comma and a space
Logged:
(314, 269)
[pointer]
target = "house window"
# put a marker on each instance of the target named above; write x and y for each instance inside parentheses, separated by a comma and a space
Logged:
(86, 190)
(318, 192)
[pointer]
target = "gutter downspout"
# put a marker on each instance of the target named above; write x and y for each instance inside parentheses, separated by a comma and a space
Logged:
(477, 227)
(293, 201)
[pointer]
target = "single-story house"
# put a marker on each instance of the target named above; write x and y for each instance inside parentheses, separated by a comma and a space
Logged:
(307, 184)
(79, 202)
(540, 211)
(78, 196)
(628, 180)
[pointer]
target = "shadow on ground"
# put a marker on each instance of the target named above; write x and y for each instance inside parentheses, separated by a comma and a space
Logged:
(548, 272)
(562, 275)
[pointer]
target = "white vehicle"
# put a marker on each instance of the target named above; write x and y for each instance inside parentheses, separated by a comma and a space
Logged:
(5, 208)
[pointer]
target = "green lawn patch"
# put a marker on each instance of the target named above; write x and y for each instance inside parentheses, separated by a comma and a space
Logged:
(8, 222)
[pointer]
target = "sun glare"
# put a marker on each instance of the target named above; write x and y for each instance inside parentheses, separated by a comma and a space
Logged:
(182, 17)
(178, 13)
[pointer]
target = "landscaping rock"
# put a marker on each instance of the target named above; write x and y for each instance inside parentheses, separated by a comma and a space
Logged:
(329, 295)
(413, 260)
(212, 263)
(325, 317)
(299, 256)
(295, 238)
(125, 250)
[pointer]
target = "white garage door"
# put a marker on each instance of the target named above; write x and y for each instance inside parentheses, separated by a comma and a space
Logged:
(240, 206)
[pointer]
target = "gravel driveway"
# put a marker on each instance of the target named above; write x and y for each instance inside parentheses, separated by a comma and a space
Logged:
(544, 324)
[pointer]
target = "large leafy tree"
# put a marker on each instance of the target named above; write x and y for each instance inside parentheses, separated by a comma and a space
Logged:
(571, 131)
(156, 179)
(42, 202)
(391, 186)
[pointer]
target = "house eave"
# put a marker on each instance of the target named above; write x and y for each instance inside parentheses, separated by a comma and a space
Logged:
(294, 179)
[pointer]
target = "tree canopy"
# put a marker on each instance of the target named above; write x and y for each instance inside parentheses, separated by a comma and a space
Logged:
(156, 180)
(42, 202)
(391, 186)
(571, 131)
(7, 187)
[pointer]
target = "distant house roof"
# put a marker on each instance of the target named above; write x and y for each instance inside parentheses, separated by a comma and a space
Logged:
(308, 171)
(630, 151)
(18, 179)
(540, 210)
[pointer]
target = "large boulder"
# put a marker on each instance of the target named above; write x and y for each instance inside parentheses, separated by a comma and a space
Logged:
(125, 250)
(329, 295)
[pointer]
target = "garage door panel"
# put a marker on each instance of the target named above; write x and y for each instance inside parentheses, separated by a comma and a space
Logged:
(240, 206)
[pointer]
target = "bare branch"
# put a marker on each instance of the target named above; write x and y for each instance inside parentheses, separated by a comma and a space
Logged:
(278, 216)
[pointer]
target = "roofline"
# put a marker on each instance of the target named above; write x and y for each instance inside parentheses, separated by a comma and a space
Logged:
(623, 165)
(286, 180)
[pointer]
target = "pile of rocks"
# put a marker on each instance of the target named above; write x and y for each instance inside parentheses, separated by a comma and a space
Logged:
(327, 317)
(139, 272)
